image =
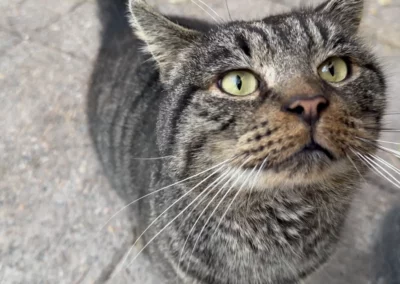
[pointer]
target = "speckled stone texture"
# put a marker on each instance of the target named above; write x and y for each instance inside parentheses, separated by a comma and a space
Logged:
(54, 201)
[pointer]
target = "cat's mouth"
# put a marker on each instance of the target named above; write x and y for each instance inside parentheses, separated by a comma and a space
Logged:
(311, 156)
(315, 149)
(311, 163)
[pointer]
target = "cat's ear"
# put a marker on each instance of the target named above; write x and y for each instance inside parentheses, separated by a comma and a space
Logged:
(165, 40)
(347, 12)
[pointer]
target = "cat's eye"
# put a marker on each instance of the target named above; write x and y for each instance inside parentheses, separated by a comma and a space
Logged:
(239, 83)
(333, 70)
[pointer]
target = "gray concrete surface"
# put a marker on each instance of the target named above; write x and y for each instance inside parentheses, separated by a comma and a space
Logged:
(53, 197)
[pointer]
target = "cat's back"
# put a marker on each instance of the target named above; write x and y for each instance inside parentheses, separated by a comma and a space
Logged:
(123, 101)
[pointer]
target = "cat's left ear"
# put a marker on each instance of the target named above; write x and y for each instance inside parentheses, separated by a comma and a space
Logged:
(347, 12)
(165, 40)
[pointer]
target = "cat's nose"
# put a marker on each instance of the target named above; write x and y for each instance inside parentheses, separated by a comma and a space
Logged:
(308, 108)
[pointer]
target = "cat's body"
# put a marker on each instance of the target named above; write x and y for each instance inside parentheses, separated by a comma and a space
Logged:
(280, 227)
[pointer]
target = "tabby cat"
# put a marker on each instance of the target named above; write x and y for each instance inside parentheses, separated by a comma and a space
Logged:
(258, 126)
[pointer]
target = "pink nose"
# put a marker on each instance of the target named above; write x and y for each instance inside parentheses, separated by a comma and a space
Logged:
(309, 109)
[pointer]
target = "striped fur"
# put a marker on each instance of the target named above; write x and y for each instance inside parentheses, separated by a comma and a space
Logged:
(283, 223)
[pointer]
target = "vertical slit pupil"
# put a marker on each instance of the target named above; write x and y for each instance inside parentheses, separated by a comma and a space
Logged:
(331, 68)
(238, 82)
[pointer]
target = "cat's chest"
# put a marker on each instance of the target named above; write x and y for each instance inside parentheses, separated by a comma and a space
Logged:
(264, 225)
(258, 232)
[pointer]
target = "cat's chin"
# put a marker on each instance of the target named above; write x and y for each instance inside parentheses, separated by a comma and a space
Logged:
(312, 157)
(317, 169)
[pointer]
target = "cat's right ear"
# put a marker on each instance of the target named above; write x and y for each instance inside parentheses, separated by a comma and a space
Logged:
(347, 12)
(165, 40)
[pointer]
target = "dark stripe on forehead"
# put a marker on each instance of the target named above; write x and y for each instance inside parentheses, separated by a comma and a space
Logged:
(219, 53)
(338, 42)
(243, 44)
(261, 33)
(310, 37)
(323, 31)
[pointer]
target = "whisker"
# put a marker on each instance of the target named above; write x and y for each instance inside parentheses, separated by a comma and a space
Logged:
(371, 163)
(389, 165)
(252, 187)
(354, 164)
(236, 195)
(368, 164)
(153, 158)
(214, 184)
(391, 113)
(155, 220)
(158, 190)
(211, 9)
(391, 151)
(168, 224)
(201, 214)
(388, 130)
(227, 8)
(207, 12)
(387, 150)
(215, 209)
(386, 171)
(358, 154)
(388, 142)
(159, 216)
(382, 129)
(377, 140)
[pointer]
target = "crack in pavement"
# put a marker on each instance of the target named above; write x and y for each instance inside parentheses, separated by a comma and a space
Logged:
(115, 261)
(60, 16)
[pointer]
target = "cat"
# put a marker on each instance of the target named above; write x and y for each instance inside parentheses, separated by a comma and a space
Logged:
(257, 130)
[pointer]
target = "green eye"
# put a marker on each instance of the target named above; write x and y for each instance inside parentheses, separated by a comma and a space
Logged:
(239, 83)
(333, 70)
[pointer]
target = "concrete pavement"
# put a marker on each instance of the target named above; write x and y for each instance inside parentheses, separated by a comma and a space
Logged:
(53, 197)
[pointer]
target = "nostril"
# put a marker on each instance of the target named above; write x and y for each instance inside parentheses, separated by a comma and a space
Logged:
(297, 110)
(322, 106)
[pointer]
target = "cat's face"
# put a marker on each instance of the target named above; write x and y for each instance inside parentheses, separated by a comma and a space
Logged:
(294, 93)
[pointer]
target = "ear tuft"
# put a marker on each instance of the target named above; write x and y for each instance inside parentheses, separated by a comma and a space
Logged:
(165, 40)
(347, 12)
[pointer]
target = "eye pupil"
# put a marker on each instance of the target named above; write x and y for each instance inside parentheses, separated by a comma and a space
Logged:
(331, 68)
(239, 82)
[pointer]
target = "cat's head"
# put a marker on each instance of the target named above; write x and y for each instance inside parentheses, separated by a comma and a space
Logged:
(297, 93)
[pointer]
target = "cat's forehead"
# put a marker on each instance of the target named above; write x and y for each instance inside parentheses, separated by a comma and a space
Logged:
(291, 33)
(285, 44)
